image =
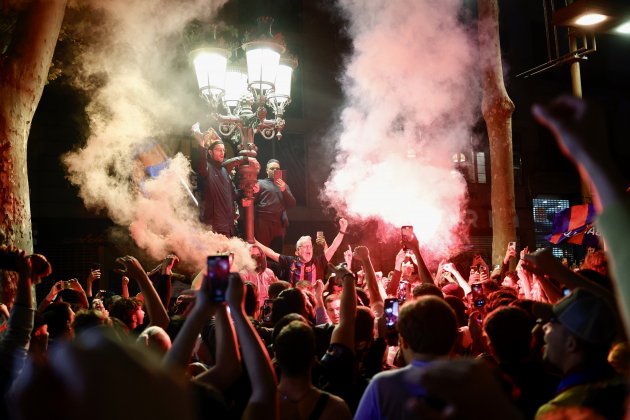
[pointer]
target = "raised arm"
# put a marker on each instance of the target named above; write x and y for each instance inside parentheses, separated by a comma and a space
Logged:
(270, 253)
(162, 277)
(543, 263)
(124, 286)
(76, 286)
(450, 268)
(263, 402)
(526, 280)
(321, 317)
(376, 300)
(330, 252)
(510, 252)
(579, 130)
(157, 313)
(344, 331)
(52, 294)
(178, 356)
(423, 271)
(15, 341)
(95, 275)
(394, 283)
(227, 368)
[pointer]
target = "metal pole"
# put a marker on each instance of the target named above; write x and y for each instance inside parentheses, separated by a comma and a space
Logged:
(576, 87)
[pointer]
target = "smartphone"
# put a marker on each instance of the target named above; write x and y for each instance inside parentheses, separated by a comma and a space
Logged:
(512, 245)
(478, 297)
(217, 276)
(278, 174)
(95, 266)
(406, 233)
(266, 311)
(67, 284)
(391, 313)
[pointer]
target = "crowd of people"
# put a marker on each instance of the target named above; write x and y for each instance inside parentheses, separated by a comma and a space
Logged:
(531, 338)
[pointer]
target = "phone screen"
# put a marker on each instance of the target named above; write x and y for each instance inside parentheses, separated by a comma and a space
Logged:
(391, 313)
(478, 297)
(278, 174)
(218, 275)
(406, 233)
(266, 310)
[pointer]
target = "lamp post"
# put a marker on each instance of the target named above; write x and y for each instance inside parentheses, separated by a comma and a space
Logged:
(582, 18)
(233, 90)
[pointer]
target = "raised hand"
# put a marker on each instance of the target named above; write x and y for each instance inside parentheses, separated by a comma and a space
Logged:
(169, 262)
(55, 289)
(319, 288)
(400, 257)
(541, 262)
(510, 252)
(281, 184)
(524, 252)
(132, 267)
(576, 127)
(347, 256)
(343, 225)
(73, 284)
(362, 252)
(448, 267)
(235, 292)
(410, 242)
(94, 275)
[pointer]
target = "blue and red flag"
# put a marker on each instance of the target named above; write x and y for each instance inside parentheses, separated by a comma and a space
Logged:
(575, 226)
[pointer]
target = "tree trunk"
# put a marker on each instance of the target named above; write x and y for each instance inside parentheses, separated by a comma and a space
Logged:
(23, 73)
(497, 110)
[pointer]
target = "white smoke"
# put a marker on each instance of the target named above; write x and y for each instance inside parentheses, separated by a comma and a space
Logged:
(144, 95)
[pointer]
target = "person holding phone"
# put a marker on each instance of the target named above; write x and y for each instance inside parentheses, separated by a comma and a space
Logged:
(272, 199)
(304, 265)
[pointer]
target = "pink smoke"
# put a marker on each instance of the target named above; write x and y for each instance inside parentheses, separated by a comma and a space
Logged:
(410, 102)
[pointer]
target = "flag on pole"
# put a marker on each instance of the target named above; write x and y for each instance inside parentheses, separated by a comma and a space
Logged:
(575, 226)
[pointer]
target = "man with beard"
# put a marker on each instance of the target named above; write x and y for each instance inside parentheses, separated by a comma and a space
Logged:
(218, 190)
(579, 331)
(303, 266)
(273, 198)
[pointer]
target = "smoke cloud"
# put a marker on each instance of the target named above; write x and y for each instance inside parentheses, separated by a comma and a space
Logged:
(410, 104)
(144, 95)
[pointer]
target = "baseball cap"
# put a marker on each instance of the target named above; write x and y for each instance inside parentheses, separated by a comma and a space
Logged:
(586, 315)
(453, 289)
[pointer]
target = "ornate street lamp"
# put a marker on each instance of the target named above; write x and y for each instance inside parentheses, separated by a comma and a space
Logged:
(234, 89)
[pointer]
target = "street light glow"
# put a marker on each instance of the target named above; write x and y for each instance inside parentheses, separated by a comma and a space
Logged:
(590, 19)
(623, 29)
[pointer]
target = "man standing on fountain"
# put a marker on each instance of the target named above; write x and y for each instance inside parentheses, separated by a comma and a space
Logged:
(219, 194)
(272, 199)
